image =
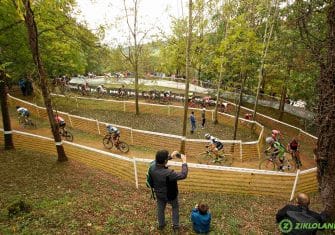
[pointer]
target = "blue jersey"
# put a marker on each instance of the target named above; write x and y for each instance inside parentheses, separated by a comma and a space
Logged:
(112, 130)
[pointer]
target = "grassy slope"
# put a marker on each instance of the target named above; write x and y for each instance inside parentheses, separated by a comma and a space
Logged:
(72, 198)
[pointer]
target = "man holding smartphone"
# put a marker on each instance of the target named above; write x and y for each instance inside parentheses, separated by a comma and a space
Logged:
(166, 187)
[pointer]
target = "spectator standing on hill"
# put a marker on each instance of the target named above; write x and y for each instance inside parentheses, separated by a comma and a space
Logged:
(166, 187)
(201, 218)
(203, 117)
(193, 124)
(29, 86)
(22, 85)
(299, 213)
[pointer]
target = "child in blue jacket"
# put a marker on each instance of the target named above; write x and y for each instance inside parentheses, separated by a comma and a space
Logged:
(201, 218)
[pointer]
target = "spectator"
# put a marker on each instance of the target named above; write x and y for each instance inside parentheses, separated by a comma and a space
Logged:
(29, 87)
(192, 119)
(201, 218)
(22, 85)
(166, 187)
(203, 117)
(299, 213)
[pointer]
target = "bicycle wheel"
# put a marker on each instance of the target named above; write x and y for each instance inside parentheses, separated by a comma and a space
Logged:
(204, 158)
(295, 157)
(107, 142)
(31, 124)
(289, 165)
(123, 147)
(267, 164)
(68, 136)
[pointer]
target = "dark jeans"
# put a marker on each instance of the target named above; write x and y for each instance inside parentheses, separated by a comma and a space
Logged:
(161, 204)
(203, 122)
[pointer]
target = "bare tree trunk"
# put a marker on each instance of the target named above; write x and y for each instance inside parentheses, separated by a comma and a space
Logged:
(326, 121)
(136, 88)
(187, 82)
(136, 59)
(5, 113)
(215, 121)
(33, 43)
(283, 95)
(243, 78)
(266, 43)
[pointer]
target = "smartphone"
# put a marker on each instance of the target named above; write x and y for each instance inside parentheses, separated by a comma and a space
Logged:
(178, 155)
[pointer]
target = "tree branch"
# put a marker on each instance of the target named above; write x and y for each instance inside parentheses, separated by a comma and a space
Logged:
(127, 17)
(52, 29)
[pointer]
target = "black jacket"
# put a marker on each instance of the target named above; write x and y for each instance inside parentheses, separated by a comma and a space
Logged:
(299, 214)
(164, 178)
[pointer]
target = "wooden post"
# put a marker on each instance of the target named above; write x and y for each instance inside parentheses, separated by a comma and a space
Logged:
(135, 173)
(241, 151)
(98, 127)
(295, 184)
(131, 136)
(70, 120)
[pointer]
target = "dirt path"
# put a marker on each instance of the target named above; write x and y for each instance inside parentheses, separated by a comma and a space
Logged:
(95, 141)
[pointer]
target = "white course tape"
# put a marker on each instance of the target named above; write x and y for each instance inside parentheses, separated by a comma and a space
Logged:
(58, 143)
(7, 132)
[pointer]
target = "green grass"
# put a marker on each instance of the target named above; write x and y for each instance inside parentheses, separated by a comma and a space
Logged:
(71, 198)
(152, 122)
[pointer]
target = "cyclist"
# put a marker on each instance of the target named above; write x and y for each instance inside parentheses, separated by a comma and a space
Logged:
(84, 88)
(114, 132)
(292, 147)
(215, 145)
(23, 113)
(121, 91)
(278, 150)
(60, 121)
(276, 135)
(101, 89)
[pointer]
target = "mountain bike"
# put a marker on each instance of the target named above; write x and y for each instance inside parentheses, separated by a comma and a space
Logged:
(109, 142)
(272, 163)
(209, 157)
(67, 135)
(296, 157)
(27, 122)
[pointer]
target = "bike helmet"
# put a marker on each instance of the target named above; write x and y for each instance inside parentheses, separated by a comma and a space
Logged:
(207, 136)
(269, 140)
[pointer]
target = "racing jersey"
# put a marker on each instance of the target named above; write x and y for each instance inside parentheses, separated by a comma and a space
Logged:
(59, 119)
(112, 130)
(23, 111)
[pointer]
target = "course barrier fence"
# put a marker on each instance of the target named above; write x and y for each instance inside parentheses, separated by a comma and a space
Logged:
(218, 179)
(240, 150)
(250, 150)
